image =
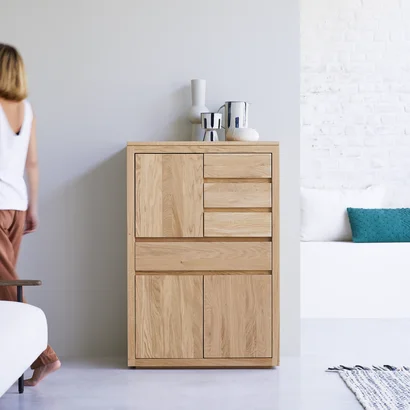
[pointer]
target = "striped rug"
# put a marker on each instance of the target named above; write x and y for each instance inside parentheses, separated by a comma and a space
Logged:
(378, 387)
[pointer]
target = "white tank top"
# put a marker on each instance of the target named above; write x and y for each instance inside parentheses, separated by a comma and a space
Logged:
(13, 154)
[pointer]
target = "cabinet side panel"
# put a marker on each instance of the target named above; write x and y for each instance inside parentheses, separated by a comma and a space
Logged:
(131, 255)
(276, 259)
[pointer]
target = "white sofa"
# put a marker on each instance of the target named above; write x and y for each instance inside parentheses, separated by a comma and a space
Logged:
(355, 280)
(23, 336)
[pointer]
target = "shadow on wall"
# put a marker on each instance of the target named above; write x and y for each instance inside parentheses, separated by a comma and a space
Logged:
(80, 254)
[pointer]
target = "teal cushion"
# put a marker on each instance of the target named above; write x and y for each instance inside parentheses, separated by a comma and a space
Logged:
(380, 225)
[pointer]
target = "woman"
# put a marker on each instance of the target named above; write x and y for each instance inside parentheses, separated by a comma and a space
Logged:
(18, 208)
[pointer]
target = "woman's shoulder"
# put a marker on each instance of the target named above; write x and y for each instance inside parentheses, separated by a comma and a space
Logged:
(28, 109)
(27, 103)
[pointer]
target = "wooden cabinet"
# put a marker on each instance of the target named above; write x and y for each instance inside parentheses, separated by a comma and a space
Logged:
(203, 254)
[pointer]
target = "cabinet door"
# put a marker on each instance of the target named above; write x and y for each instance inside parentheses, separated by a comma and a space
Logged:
(238, 316)
(169, 317)
(169, 195)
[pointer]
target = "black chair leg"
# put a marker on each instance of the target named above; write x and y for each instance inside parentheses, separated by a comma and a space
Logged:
(19, 293)
(20, 299)
(21, 384)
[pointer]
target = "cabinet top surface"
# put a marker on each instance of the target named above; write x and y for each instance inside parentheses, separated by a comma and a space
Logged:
(200, 143)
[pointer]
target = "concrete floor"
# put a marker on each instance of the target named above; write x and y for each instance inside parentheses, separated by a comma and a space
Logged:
(299, 383)
(107, 385)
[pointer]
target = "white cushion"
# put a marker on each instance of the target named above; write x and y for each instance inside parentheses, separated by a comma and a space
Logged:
(23, 337)
(323, 211)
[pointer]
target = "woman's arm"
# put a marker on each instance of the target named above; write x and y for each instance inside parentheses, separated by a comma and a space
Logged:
(32, 179)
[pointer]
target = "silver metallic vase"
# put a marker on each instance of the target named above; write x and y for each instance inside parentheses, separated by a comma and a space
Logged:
(236, 114)
(211, 122)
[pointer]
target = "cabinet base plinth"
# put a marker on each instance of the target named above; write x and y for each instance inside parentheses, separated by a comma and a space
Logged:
(204, 363)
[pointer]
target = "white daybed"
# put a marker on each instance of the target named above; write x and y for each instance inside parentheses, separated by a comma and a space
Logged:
(23, 336)
(355, 280)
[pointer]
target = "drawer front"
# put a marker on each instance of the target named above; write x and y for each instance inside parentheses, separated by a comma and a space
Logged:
(237, 195)
(237, 166)
(203, 256)
(240, 224)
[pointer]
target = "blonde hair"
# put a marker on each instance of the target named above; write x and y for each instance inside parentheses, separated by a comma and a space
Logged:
(13, 81)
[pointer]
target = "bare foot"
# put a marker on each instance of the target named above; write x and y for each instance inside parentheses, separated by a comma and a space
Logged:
(41, 372)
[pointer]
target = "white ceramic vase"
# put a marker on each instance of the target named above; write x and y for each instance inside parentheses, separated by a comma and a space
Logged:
(242, 134)
(198, 91)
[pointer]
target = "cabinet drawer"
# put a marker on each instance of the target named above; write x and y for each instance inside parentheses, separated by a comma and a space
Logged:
(242, 224)
(203, 256)
(237, 166)
(237, 195)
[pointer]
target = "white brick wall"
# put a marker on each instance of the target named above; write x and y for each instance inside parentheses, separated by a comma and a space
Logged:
(355, 92)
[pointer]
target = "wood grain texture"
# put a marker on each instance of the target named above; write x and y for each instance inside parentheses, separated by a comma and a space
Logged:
(237, 195)
(237, 166)
(276, 259)
(206, 272)
(169, 195)
(203, 363)
(182, 189)
(201, 148)
(247, 180)
(148, 195)
(184, 147)
(209, 239)
(245, 146)
(238, 316)
(153, 256)
(238, 209)
(130, 254)
(169, 316)
(237, 224)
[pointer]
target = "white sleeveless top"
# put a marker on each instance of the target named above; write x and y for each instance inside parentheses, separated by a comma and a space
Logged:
(13, 154)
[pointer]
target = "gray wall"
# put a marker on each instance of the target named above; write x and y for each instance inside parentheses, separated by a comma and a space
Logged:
(102, 73)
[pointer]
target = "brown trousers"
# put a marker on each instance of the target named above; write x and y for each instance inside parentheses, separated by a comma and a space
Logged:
(11, 233)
